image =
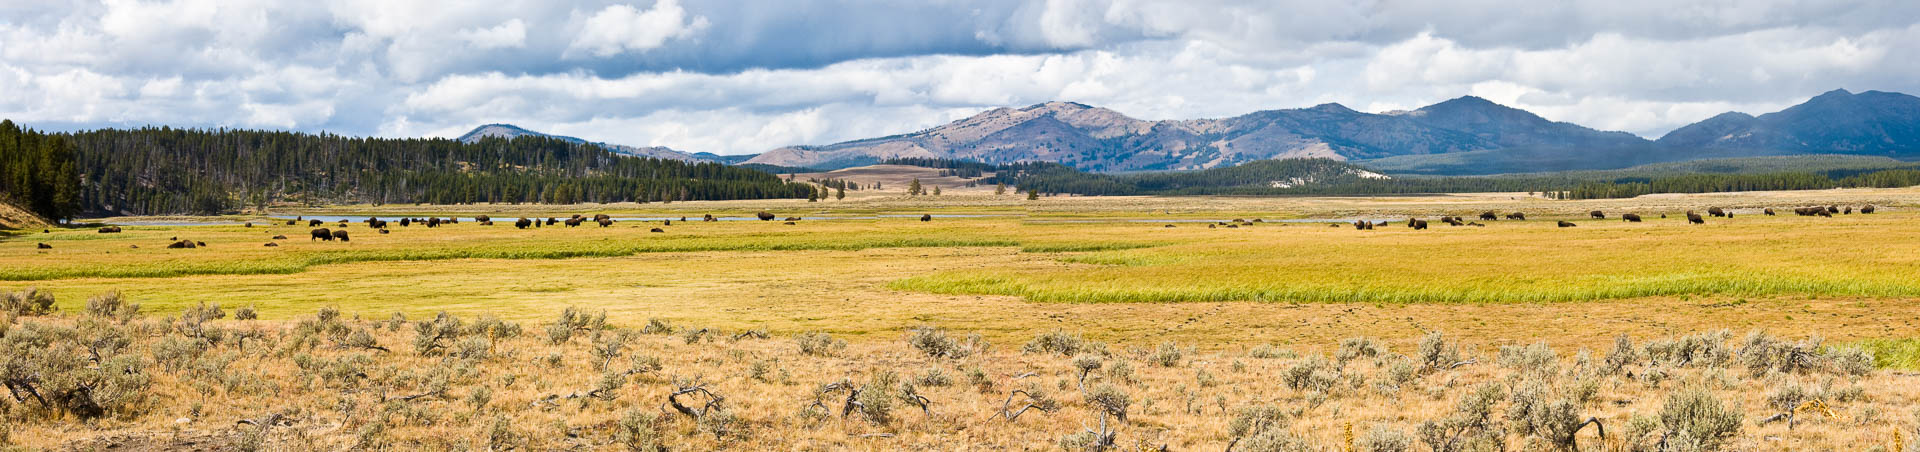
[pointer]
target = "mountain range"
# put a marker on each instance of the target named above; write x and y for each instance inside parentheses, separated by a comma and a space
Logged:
(509, 131)
(1466, 135)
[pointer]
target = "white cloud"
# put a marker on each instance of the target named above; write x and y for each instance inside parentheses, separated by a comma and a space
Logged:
(622, 28)
(511, 34)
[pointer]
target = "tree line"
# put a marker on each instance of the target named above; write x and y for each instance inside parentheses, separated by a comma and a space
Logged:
(37, 172)
(154, 171)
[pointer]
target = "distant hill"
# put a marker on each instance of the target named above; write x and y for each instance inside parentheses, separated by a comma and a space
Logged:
(1838, 122)
(660, 152)
(1466, 135)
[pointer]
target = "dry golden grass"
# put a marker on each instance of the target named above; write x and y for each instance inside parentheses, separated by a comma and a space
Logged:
(1847, 279)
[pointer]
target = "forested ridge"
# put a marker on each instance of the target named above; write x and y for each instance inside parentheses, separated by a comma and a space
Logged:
(151, 171)
(37, 172)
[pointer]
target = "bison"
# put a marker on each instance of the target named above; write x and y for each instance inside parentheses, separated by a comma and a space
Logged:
(1767, 211)
(522, 223)
(1363, 225)
(1633, 218)
(1694, 218)
(1866, 210)
(604, 222)
(551, 221)
(926, 217)
(43, 246)
(341, 235)
(1597, 215)
(789, 223)
(709, 217)
(290, 223)
(404, 222)
(322, 234)
(657, 230)
(110, 230)
(571, 222)
(313, 223)
(764, 216)
(383, 231)
(433, 222)
(601, 216)
(1516, 216)
(1716, 211)
(1489, 216)
(272, 244)
(483, 219)
(279, 237)
(1417, 225)
(1566, 224)
(1847, 211)
(182, 244)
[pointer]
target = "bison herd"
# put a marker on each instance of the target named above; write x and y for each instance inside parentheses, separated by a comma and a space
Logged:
(1692, 217)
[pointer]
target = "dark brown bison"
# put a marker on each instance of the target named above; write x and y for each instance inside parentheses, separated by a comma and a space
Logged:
(433, 222)
(1847, 211)
(279, 237)
(1768, 211)
(384, 231)
(657, 230)
(1716, 211)
(1169, 226)
(709, 217)
(792, 219)
(1566, 224)
(272, 244)
(1363, 225)
(1489, 216)
(203, 244)
(670, 222)
(1833, 209)
(1597, 215)
(382, 224)
(926, 217)
(764, 216)
(404, 222)
(312, 223)
(250, 224)
(523, 223)
(341, 235)
(1634, 218)
(1417, 224)
(1694, 218)
(290, 223)
(789, 223)
(551, 221)
(1823, 213)
(110, 230)
(1867, 209)
(601, 216)
(571, 222)
(1516, 216)
(322, 234)
(182, 244)
(43, 246)
(604, 222)
(1803, 211)
(483, 219)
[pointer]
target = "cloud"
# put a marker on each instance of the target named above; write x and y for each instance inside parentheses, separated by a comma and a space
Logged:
(741, 76)
(621, 28)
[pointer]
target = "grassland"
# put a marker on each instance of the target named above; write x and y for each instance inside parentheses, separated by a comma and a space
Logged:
(1107, 270)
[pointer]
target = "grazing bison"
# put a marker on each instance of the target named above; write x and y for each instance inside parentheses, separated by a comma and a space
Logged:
(1847, 211)
(250, 224)
(110, 230)
(657, 230)
(1634, 218)
(312, 223)
(1363, 225)
(1597, 215)
(764, 216)
(483, 219)
(279, 237)
(522, 223)
(1417, 225)
(43, 246)
(1833, 209)
(1824, 213)
(382, 224)
(322, 234)
(201, 243)
(272, 244)
(709, 217)
(1716, 211)
(670, 222)
(404, 222)
(1866, 210)
(1169, 226)
(290, 223)
(926, 217)
(1516, 216)
(792, 219)
(1694, 218)
(341, 235)
(604, 222)
(1489, 216)
(1768, 211)
(551, 221)
(571, 222)
(182, 244)
(1566, 224)
(601, 216)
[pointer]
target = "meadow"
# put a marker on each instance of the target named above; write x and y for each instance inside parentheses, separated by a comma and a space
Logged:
(1258, 314)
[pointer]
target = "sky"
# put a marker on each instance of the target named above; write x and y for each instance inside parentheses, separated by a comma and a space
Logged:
(746, 76)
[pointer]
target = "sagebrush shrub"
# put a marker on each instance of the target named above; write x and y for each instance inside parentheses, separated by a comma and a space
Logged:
(1057, 342)
(819, 344)
(1385, 438)
(1699, 417)
(28, 302)
(1167, 355)
(936, 344)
